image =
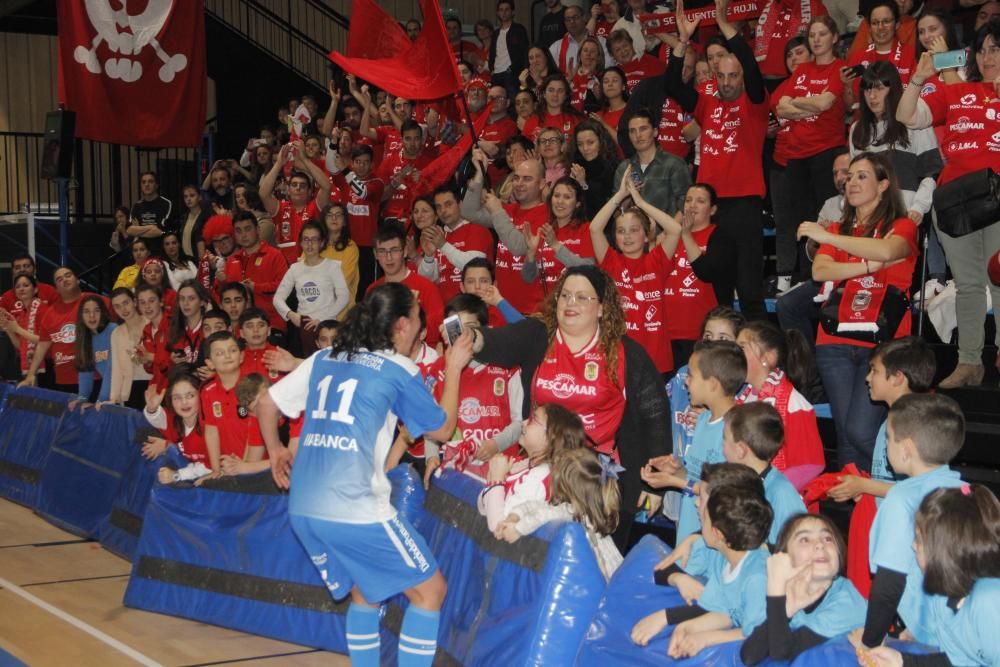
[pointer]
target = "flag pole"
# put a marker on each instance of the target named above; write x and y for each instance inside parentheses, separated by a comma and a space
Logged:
(472, 129)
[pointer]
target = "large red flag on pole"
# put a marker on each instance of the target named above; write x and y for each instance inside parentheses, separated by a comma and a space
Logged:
(420, 70)
(136, 79)
(373, 33)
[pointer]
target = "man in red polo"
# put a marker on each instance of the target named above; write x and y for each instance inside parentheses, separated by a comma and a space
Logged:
(257, 265)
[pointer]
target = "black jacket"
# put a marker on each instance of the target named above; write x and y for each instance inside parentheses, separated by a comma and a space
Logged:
(517, 46)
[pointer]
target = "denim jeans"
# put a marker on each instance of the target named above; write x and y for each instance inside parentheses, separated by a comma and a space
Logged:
(843, 369)
(797, 310)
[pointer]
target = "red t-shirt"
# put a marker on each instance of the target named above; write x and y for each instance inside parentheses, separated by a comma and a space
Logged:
(192, 445)
(400, 202)
(813, 135)
(483, 400)
(576, 238)
(612, 118)
(287, 225)
(364, 197)
(265, 268)
(46, 292)
(430, 301)
(579, 381)
(903, 56)
(524, 297)
(900, 275)
(968, 114)
(781, 148)
(237, 428)
(155, 342)
(732, 142)
(566, 122)
(645, 67)
(686, 297)
(672, 121)
(391, 140)
(465, 237)
(640, 283)
(58, 325)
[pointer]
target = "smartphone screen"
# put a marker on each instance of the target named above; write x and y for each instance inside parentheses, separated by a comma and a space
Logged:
(452, 328)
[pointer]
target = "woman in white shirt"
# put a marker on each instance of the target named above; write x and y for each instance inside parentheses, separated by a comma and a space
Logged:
(319, 285)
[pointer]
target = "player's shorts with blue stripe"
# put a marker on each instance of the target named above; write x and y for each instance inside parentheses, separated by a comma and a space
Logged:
(381, 559)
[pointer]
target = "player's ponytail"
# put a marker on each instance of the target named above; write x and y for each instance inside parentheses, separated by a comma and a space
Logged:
(372, 322)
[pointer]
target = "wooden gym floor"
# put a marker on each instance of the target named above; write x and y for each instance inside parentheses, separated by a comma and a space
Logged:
(61, 604)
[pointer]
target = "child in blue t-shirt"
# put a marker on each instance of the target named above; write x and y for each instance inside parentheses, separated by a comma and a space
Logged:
(93, 347)
(958, 547)
(925, 431)
(735, 521)
(717, 370)
(897, 367)
(808, 599)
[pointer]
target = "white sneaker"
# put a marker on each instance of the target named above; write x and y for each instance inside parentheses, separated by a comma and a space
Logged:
(784, 284)
(931, 289)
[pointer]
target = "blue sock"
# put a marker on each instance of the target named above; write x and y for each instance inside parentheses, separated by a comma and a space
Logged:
(362, 635)
(418, 637)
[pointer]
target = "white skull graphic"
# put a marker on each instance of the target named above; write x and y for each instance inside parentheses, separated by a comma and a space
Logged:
(143, 29)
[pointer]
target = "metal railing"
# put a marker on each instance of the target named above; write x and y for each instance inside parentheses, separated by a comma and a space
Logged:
(297, 34)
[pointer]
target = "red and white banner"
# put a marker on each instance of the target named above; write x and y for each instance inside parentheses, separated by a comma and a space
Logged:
(667, 22)
(134, 78)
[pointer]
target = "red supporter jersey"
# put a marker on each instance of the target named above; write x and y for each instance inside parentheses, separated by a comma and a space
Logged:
(188, 345)
(640, 282)
(192, 445)
(155, 343)
(265, 268)
(612, 118)
(802, 444)
(903, 56)
(364, 197)
(430, 301)
(732, 142)
(813, 135)
(237, 428)
(781, 147)
(287, 225)
(566, 122)
(465, 237)
(58, 325)
(645, 67)
(391, 140)
(576, 238)
(253, 362)
(499, 131)
(603, 28)
(686, 298)
(969, 115)
(46, 292)
(672, 121)
(900, 275)
(400, 202)
(483, 401)
(579, 381)
(525, 298)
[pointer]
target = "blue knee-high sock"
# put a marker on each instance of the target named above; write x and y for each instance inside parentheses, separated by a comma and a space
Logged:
(418, 637)
(362, 635)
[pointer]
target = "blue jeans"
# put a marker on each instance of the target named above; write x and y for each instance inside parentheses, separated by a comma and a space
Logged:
(843, 369)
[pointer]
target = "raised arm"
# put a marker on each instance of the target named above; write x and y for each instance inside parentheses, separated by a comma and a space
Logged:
(270, 179)
(600, 221)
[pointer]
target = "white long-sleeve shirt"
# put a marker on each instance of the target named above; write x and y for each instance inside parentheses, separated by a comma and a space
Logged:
(321, 290)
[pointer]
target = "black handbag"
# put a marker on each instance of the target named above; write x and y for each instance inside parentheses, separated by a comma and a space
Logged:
(968, 203)
(894, 307)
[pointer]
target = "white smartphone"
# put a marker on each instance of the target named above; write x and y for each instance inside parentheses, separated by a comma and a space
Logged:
(452, 328)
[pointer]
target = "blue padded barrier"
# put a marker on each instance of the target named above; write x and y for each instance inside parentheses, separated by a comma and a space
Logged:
(28, 423)
(5, 388)
(89, 455)
(225, 554)
(508, 604)
(119, 530)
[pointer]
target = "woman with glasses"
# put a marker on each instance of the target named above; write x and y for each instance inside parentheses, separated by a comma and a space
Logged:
(968, 113)
(319, 285)
(342, 248)
(576, 353)
(904, 26)
(886, 43)
(551, 153)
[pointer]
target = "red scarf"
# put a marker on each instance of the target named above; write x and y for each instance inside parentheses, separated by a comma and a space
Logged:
(563, 52)
(767, 23)
(29, 349)
(770, 393)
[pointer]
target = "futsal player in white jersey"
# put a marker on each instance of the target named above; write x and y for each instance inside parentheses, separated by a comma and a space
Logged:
(352, 395)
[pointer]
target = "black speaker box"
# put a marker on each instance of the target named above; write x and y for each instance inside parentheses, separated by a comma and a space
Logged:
(57, 147)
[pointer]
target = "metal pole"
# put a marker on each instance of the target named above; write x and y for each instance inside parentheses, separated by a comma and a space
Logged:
(63, 184)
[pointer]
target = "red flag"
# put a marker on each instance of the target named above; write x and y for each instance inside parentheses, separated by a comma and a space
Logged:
(424, 71)
(373, 33)
(444, 166)
(136, 79)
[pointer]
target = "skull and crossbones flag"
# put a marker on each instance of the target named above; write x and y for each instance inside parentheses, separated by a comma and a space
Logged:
(134, 70)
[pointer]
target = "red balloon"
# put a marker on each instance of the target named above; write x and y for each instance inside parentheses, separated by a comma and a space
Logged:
(993, 268)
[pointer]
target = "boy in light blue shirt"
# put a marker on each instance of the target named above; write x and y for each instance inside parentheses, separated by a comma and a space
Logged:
(717, 370)
(925, 432)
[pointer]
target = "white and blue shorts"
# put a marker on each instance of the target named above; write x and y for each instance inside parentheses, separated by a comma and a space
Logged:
(381, 559)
